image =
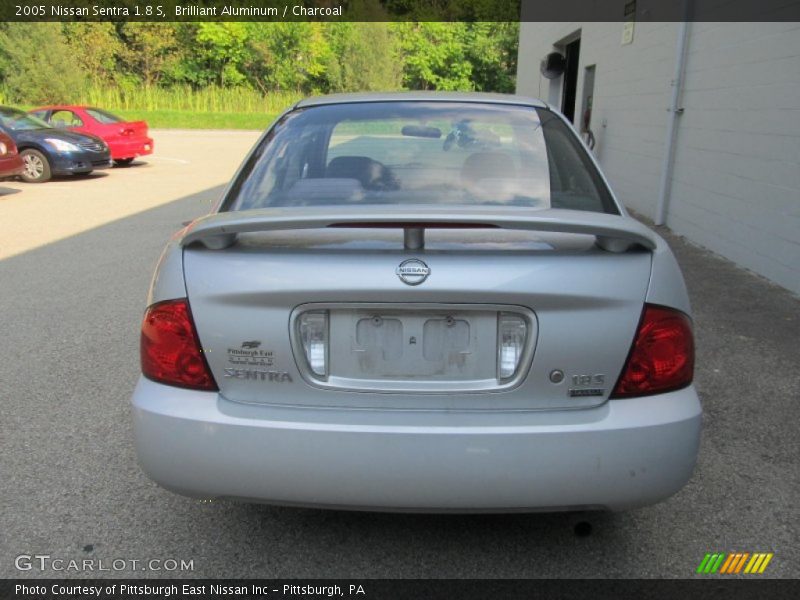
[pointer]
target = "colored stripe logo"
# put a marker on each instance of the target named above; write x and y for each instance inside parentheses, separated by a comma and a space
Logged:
(734, 563)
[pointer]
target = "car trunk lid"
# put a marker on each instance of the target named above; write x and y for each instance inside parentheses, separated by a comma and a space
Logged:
(432, 346)
(123, 130)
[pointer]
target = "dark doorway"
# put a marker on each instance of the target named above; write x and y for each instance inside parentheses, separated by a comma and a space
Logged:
(586, 106)
(572, 53)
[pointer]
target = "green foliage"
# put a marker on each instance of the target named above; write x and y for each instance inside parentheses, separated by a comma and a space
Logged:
(219, 51)
(230, 66)
(373, 61)
(96, 47)
(491, 49)
(151, 50)
(459, 56)
(288, 56)
(37, 64)
(435, 56)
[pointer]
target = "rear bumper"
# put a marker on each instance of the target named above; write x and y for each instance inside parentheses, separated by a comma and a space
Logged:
(623, 454)
(140, 146)
(11, 165)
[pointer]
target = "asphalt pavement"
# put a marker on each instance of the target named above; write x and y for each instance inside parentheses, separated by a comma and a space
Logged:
(70, 487)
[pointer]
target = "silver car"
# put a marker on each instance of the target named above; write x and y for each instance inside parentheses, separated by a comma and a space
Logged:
(421, 302)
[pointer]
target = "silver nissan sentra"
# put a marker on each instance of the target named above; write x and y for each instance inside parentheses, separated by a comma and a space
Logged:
(421, 302)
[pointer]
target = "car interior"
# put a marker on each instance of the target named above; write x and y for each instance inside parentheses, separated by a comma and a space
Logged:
(64, 119)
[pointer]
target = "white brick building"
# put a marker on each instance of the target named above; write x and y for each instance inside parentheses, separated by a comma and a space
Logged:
(734, 182)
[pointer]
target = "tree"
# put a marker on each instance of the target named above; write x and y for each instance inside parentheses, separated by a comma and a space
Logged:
(434, 56)
(37, 64)
(372, 57)
(491, 49)
(288, 56)
(150, 49)
(96, 47)
(43, 60)
(220, 50)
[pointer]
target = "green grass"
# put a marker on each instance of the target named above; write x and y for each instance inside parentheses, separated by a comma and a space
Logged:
(182, 107)
(182, 119)
(185, 98)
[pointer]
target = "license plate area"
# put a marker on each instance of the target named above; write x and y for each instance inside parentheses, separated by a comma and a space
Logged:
(425, 348)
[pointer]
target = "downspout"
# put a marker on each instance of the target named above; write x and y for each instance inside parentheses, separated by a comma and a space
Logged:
(672, 127)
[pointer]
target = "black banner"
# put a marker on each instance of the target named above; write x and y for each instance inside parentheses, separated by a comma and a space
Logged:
(405, 589)
(399, 10)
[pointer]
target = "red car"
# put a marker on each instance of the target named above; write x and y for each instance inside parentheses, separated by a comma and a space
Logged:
(10, 161)
(126, 139)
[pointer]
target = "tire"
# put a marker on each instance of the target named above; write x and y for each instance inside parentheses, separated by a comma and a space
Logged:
(37, 167)
(123, 162)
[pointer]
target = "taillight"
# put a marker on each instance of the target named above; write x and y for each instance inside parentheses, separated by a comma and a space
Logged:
(7, 146)
(662, 356)
(170, 349)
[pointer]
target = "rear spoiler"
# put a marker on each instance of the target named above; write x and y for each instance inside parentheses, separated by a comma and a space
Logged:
(613, 233)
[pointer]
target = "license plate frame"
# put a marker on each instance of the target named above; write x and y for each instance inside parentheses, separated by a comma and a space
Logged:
(442, 359)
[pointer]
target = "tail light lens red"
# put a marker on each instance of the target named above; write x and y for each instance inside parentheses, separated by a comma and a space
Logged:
(662, 356)
(170, 349)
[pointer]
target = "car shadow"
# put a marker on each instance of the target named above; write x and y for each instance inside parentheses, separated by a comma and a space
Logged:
(80, 176)
(6, 191)
(136, 164)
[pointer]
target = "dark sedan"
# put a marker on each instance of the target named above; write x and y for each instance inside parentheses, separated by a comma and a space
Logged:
(47, 151)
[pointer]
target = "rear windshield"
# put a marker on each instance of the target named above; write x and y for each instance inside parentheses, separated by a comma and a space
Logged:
(102, 116)
(420, 153)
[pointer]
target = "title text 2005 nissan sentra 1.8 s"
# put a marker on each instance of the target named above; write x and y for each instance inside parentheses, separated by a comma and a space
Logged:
(419, 302)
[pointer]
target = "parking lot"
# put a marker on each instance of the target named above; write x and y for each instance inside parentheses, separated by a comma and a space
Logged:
(76, 257)
(184, 163)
